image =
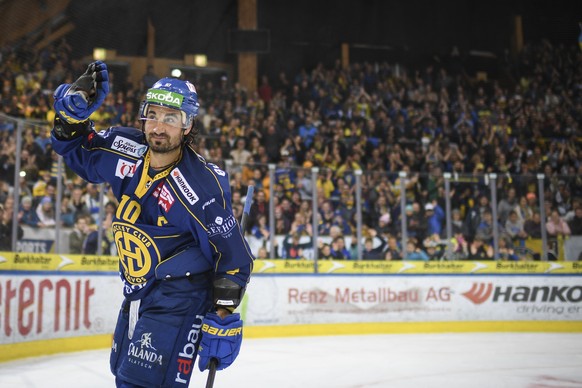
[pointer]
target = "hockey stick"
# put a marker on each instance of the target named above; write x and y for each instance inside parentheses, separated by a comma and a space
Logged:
(243, 224)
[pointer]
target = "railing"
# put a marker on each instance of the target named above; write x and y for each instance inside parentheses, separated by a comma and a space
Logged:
(365, 206)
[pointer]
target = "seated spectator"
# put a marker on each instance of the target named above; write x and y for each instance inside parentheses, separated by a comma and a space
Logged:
(261, 229)
(339, 250)
(479, 250)
(435, 250)
(325, 252)
(262, 253)
(414, 252)
(506, 250)
(394, 250)
(91, 242)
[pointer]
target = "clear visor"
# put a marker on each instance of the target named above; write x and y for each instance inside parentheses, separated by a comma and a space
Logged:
(155, 115)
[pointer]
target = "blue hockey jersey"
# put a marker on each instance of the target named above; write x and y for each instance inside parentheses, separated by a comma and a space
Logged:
(174, 222)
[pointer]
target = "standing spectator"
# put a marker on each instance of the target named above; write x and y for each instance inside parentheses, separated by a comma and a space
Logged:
(293, 248)
(533, 226)
(514, 227)
(27, 215)
(6, 228)
(78, 202)
(265, 90)
(556, 226)
(91, 199)
(45, 212)
(240, 155)
(303, 184)
(506, 205)
(149, 78)
(474, 216)
(78, 235)
(575, 223)
(371, 253)
(435, 216)
(307, 131)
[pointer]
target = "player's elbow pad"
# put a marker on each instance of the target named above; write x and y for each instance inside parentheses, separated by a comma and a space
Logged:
(67, 131)
(227, 294)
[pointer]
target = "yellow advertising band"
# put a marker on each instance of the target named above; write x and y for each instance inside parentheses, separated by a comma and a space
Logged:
(47, 347)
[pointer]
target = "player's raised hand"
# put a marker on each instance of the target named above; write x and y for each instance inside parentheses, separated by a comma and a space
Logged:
(75, 102)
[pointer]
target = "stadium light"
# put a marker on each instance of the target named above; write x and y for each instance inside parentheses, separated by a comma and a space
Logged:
(177, 73)
(200, 60)
(99, 54)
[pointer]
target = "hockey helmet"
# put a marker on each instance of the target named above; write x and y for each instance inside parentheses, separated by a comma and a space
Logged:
(175, 94)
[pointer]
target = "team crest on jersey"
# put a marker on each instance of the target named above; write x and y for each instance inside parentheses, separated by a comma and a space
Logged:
(125, 168)
(138, 252)
(184, 187)
(128, 147)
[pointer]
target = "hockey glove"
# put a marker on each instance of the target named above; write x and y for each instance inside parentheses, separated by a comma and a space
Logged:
(65, 131)
(221, 340)
(75, 102)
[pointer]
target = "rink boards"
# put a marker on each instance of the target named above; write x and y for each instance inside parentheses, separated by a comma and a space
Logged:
(55, 303)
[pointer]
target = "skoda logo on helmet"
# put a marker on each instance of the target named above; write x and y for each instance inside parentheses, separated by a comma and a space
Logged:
(164, 97)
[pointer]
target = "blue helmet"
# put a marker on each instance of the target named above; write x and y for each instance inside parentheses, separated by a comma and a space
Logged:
(176, 94)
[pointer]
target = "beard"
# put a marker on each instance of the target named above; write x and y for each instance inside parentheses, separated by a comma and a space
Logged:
(163, 144)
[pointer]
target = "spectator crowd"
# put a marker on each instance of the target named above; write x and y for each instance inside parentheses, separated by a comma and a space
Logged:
(380, 118)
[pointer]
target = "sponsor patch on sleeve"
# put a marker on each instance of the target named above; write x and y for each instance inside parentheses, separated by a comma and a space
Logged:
(128, 147)
(184, 187)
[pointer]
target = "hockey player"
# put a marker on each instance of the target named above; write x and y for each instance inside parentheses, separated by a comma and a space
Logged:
(182, 258)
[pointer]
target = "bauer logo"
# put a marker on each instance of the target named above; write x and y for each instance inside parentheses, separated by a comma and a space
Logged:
(184, 187)
(164, 97)
(128, 147)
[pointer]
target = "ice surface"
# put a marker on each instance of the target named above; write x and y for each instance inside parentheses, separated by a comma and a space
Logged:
(497, 360)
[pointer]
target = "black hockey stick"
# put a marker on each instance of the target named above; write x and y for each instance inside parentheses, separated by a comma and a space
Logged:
(243, 224)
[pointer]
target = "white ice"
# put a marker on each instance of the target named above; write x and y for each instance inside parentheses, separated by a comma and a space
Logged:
(497, 360)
